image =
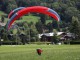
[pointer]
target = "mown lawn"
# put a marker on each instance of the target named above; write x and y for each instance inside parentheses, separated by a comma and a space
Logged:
(29, 19)
(50, 52)
(33, 19)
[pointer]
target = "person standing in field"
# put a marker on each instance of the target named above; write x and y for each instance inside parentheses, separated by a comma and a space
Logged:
(39, 51)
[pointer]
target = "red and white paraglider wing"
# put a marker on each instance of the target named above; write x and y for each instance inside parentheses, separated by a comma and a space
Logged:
(14, 11)
(36, 9)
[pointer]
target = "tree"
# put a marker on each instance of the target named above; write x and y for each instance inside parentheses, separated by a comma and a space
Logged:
(2, 19)
(55, 24)
(75, 27)
(55, 37)
(23, 3)
(43, 18)
(70, 12)
(50, 27)
(39, 27)
(56, 5)
(11, 5)
(78, 5)
(33, 32)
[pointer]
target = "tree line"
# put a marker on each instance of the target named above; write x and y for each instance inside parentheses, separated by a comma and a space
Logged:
(69, 11)
(66, 8)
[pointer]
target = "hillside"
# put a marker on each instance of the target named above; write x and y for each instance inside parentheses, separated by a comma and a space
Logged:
(28, 18)
(65, 8)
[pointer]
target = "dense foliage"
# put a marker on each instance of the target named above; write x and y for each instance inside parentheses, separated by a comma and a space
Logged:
(66, 8)
(69, 11)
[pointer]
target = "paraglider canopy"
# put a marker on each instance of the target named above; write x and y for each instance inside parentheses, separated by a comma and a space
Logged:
(36, 9)
(14, 11)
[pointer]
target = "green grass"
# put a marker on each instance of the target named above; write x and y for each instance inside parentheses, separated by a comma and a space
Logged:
(48, 21)
(1, 13)
(50, 52)
(29, 19)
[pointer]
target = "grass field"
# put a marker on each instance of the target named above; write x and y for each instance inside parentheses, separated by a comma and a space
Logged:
(1, 13)
(50, 52)
(29, 19)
